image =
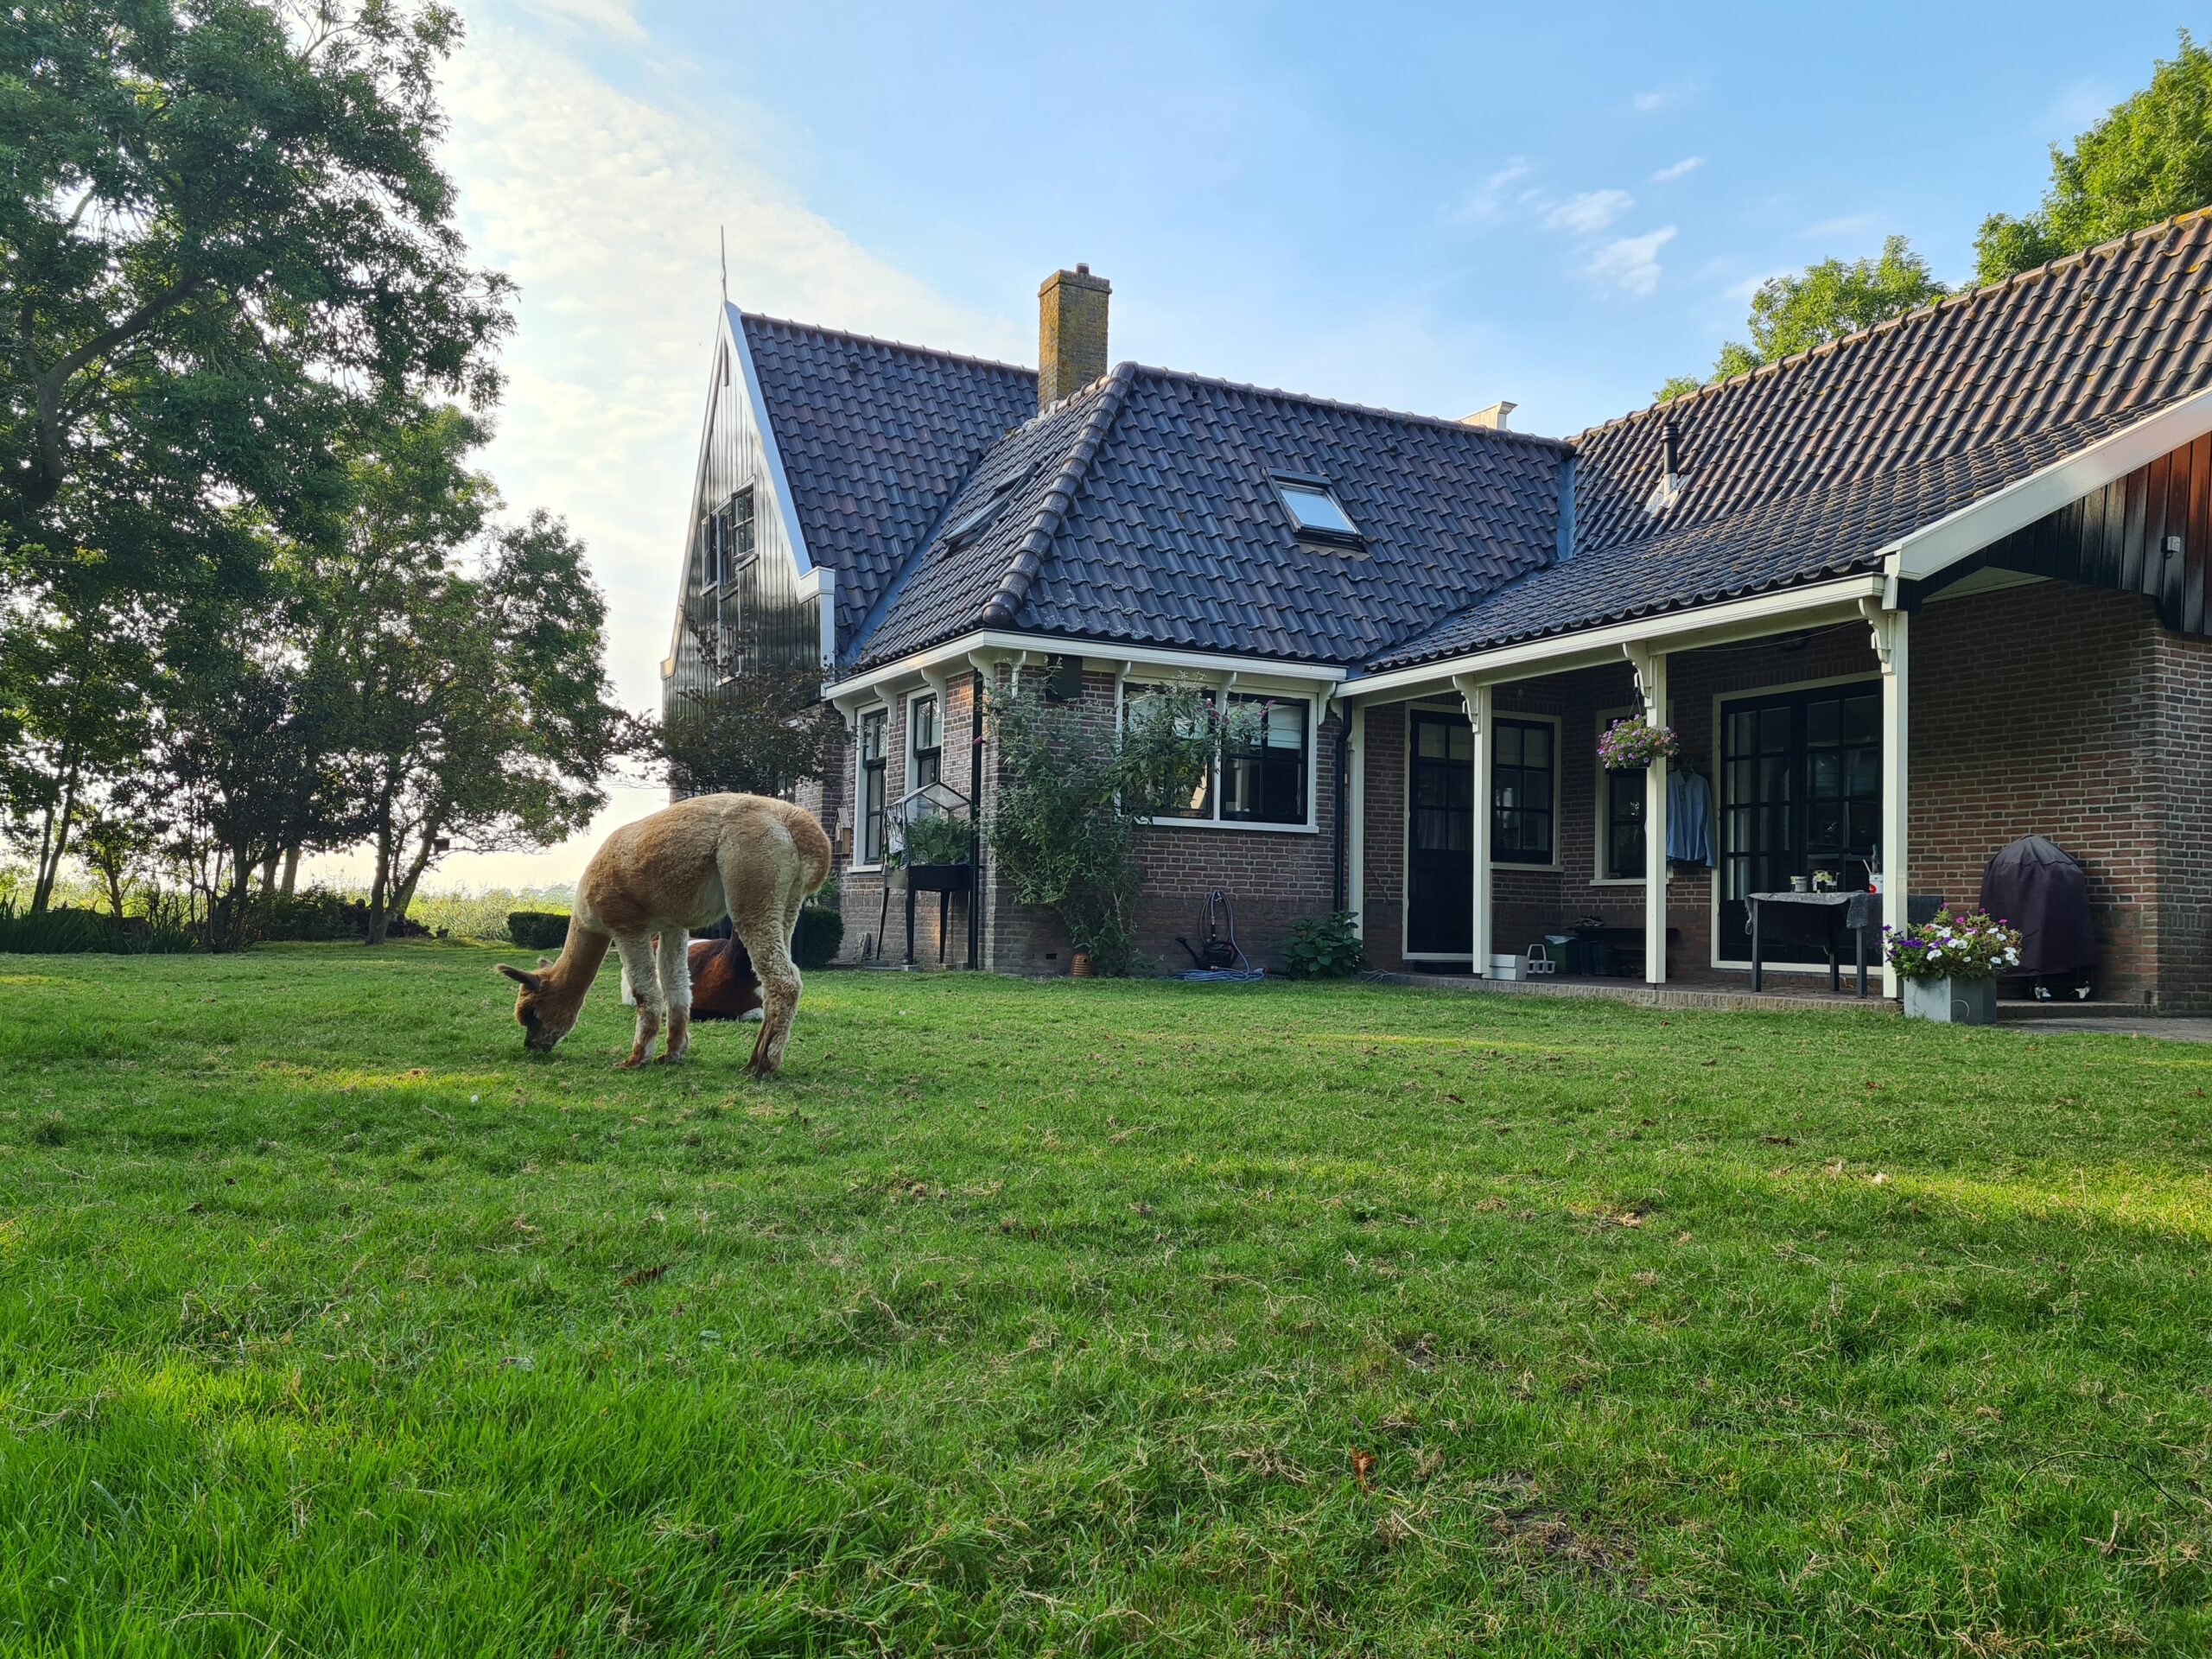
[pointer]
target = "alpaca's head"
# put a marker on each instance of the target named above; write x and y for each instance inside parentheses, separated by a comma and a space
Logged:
(544, 1020)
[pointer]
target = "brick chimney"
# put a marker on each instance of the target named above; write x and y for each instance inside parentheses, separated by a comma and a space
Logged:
(1071, 333)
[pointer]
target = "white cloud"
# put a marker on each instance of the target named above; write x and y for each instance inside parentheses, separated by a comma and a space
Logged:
(1487, 202)
(611, 17)
(1588, 213)
(1630, 263)
(1681, 169)
(1843, 225)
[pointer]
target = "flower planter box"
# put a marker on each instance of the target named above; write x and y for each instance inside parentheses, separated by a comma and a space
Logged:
(1952, 1002)
(932, 878)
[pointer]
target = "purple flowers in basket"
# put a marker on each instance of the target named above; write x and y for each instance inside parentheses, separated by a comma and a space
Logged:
(1631, 745)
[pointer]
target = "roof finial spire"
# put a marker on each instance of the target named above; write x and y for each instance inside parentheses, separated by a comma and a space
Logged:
(721, 234)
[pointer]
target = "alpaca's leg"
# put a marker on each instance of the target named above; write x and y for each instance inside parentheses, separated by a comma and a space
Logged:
(779, 983)
(638, 968)
(675, 965)
(763, 893)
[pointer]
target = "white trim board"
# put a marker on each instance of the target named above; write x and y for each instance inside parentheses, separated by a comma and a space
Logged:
(1935, 547)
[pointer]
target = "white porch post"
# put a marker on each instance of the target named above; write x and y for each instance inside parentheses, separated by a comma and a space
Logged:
(1477, 699)
(1892, 639)
(1650, 668)
(1355, 808)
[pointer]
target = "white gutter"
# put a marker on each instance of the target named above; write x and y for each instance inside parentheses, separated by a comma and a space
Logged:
(1676, 631)
(918, 665)
(1961, 534)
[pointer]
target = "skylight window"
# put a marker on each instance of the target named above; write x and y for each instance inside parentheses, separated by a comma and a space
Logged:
(1314, 509)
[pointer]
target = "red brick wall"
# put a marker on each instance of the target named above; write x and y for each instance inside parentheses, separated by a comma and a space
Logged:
(1272, 877)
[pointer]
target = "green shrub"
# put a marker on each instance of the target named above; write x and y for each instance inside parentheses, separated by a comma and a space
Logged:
(537, 930)
(821, 933)
(66, 930)
(1323, 947)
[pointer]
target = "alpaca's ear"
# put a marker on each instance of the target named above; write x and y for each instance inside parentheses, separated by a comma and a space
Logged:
(528, 982)
(545, 962)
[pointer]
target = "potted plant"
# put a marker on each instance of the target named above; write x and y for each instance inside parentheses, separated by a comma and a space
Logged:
(1632, 744)
(1949, 966)
(935, 839)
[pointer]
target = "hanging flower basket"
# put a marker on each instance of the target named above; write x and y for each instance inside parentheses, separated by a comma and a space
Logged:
(1631, 746)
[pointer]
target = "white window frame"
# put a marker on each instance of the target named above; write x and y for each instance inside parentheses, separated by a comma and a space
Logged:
(1241, 687)
(1737, 694)
(859, 784)
(907, 785)
(1484, 792)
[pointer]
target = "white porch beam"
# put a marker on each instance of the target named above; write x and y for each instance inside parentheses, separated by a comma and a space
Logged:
(1891, 641)
(1650, 666)
(1476, 695)
(1792, 610)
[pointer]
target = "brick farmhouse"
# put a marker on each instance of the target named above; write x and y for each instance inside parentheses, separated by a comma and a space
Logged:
(1904, 598)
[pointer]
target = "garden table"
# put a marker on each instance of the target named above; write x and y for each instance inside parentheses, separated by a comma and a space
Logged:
(1861, 913)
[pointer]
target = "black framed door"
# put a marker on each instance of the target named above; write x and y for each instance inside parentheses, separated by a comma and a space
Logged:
(1801, 790)
(1440, 836)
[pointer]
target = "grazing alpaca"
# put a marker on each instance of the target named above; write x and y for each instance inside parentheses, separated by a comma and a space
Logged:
(723, 984)
(747, 857)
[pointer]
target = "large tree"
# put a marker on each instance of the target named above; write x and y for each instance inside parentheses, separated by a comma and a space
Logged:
(2148, 159)
(226, 248)
(1823, 303)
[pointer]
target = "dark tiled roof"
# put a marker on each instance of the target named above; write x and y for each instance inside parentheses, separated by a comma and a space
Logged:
(876, 437)
(1149, 515)
(1809, 467)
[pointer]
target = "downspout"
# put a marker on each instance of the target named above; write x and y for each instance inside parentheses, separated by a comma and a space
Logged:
(1344, 796)
(975, 818)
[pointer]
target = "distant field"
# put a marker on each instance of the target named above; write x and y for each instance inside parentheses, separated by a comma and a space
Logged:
(1086, 1319)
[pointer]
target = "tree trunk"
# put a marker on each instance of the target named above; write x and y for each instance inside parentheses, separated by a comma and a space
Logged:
(405, 896)
(381, 886)
(50, 867)
(292, 870)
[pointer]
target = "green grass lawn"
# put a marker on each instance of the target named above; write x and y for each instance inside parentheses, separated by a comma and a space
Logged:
(1086, 1319)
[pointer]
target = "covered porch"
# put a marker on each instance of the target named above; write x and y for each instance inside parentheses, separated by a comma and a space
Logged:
(2022, 668)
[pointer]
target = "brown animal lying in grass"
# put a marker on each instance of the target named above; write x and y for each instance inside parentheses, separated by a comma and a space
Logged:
(723, 984)
(746, 856)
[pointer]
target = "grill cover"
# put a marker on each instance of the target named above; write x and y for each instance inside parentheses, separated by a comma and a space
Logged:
(2035, 886)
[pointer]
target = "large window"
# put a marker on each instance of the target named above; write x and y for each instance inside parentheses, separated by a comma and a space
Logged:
(1263, 769)
(870, 849)
(925, 745)
(1260, 775)
(1524, 775)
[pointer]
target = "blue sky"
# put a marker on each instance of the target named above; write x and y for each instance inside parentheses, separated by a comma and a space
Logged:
(1429, 207)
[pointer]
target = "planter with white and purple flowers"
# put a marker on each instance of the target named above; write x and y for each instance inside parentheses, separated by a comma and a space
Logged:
(1631, 745)
(1949, 966)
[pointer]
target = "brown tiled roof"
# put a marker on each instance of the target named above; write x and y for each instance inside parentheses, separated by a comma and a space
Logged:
(1809, 467)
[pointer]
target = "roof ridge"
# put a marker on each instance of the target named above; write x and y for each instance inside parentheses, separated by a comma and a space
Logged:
(939, 352)
(1958, 296)
(1487, 433)
(1005, 603)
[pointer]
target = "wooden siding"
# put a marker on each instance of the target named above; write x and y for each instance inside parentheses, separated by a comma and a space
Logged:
(770, 611)
(2118, 538)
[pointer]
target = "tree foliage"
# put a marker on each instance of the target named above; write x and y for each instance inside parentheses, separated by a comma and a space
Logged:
(754, 726)
(1072, 798)
(1823, 302)
(228, 270)
(2148, 159)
